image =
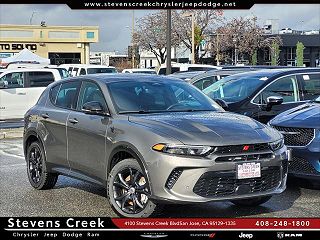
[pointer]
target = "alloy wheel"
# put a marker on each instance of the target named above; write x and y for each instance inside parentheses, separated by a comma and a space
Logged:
(35, 164)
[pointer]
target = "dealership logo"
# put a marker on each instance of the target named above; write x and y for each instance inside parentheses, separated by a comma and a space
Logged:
(282, 235)
(154, 235)
(246, 235)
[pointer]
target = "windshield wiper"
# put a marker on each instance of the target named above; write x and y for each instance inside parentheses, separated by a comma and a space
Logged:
(192, 110)
(137, 112)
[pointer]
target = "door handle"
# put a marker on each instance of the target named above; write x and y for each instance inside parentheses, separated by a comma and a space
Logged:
(45, 115)
(73, 121)
(22, 93)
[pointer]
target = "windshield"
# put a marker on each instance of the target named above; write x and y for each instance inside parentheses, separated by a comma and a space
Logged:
(234, 88)
(153, 96)
(101, 70)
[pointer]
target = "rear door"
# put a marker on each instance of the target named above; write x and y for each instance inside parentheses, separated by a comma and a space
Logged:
(87, 134)
(13, 98)
(62, 99)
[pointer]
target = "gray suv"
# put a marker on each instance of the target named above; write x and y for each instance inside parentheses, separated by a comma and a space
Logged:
(150, 140)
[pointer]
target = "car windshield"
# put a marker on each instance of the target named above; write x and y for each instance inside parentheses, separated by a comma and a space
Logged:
(101, 70)
(234, 88)
(158, 96)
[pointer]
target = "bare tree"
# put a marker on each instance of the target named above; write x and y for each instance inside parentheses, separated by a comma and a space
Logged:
(205, 22)
(244, 35)
(151, 35)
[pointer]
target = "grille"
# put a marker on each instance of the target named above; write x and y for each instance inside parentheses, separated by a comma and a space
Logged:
(244, 157)
(239, 148)
(221, 184)
(296, 136)
(301, 165)
(173, 177)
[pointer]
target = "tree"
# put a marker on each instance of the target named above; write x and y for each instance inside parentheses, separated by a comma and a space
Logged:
(244, 35)
(299, 54)
(205, 22)
(151, 35)
(275, 52)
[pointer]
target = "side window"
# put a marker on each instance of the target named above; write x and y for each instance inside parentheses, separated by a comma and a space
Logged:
(66, 97)
(311, 86)
(40, 79)
(75, 71)
(285, 87)
(90, 92)
(54, 92)
(205, 82)
(13, 80)
(82, 71)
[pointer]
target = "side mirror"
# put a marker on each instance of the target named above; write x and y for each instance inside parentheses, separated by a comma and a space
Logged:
(222, 104)
(3, 84)
(93, 108)
(272, 101)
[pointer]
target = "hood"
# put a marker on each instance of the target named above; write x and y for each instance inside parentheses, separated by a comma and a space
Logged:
(303, 116)
(208, 128)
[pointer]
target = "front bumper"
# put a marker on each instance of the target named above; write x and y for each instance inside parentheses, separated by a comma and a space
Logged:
(188, 179)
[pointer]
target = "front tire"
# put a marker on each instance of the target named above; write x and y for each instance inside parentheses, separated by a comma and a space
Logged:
(38, 176)
(251, 202)
(128, 190)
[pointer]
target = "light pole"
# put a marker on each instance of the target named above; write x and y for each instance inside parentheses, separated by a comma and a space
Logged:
(235, 51)
(191, 14)
(168, 68)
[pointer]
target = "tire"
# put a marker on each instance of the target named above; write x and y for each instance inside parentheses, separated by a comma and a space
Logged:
(126, 178)
(251, 202)
(38, 176)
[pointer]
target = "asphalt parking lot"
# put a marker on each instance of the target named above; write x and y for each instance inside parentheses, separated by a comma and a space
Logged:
(77, 198)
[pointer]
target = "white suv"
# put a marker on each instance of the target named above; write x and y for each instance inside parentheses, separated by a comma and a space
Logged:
(21, 88)
(84, 69)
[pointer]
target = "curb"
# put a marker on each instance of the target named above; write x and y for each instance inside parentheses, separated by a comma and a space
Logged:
(11, 133)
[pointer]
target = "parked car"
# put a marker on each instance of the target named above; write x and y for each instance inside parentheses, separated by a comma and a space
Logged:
(21, 88)
(208, 78)
(185, 75)
(152, 140)
(139, 70)
(264, 94)
(176, 67)
(300, 127)
(84, 69)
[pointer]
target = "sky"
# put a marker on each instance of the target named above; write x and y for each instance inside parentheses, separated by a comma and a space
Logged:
(115, 25)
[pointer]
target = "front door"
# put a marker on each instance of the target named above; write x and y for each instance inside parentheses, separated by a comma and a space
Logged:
(87, 134)
(285, 87)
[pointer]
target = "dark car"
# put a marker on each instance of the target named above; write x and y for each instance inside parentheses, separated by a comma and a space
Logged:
(264, 94)
(300, 127)
(150, 140)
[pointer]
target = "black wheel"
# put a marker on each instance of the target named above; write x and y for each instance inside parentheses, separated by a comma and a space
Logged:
(251, 202)
(38, 176)
(128, 190)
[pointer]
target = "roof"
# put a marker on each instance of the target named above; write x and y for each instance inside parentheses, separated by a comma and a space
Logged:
(122, 77)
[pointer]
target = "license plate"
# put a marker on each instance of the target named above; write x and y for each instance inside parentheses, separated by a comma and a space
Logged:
(248, 170)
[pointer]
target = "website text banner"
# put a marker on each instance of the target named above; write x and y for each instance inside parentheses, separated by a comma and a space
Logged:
(161, 4)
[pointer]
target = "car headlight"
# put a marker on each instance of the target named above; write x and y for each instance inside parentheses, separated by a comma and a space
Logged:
(183, 149)
(276, 145)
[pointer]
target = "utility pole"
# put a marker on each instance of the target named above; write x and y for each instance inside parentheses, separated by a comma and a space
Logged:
(168, 69)
(133, 48)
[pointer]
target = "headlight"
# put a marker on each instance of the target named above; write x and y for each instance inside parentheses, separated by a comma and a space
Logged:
(182, 149)
(277, 144)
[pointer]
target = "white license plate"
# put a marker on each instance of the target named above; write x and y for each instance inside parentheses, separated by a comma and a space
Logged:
(248, 170)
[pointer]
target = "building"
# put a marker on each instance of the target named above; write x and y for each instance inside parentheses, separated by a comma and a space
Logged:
(61, 44)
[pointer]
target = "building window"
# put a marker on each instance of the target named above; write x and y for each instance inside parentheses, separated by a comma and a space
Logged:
(60, 34)
(64, 58)
(15, 34)
(90, 34)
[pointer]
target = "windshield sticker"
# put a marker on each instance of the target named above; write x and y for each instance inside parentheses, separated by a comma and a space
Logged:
(306, 77)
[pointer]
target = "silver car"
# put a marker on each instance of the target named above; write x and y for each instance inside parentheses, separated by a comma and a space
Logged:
(150, 140)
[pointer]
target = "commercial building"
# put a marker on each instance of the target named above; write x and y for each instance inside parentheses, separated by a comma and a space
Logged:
(61, 44)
